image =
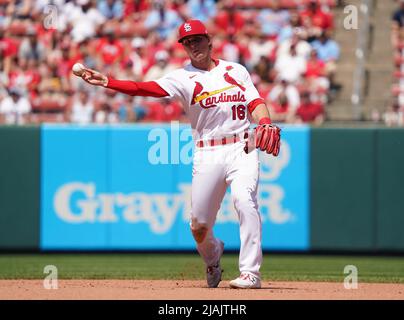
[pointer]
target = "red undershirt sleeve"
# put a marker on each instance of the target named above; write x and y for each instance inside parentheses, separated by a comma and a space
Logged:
(133, 88)
(253, 104)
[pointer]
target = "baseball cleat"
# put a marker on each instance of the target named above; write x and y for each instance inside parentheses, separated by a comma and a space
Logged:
(246, 281)
(214, 273)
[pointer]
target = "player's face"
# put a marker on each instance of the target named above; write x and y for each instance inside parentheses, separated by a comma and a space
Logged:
(197, 47)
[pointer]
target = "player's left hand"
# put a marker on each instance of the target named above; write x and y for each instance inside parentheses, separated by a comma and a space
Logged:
(268, 138)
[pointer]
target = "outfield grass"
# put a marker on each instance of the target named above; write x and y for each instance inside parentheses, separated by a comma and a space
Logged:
(189, 266)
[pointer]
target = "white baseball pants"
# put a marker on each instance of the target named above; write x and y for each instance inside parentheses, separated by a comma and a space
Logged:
(214, 169)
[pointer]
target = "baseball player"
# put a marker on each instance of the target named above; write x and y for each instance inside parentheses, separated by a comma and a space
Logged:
(220, 101)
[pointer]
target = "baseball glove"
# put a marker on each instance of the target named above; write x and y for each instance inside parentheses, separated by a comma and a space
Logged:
(268, 138)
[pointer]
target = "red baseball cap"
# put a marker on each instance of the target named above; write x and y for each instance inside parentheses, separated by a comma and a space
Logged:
(191, 28)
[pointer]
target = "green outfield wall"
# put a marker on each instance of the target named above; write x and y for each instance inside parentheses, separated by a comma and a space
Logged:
(356, 189)
(389, 189)
(19, 187)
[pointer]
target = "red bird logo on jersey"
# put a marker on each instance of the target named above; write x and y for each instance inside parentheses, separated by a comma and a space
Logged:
(197, 90)
(228, 78)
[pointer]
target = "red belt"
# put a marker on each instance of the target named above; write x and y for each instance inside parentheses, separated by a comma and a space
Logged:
(222, 141)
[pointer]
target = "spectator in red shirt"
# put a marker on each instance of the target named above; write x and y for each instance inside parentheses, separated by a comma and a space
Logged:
(65, 63)
(7, 45)
(229, 20)
(134, 13)
(281, 110)
(309, 111)
(110, 49)
(316, 74)
(8, 50)
(163, 110)
(32, 75)
(173, 110)
(154, 44)
(315, 20)
(135, 8)
(25, 76)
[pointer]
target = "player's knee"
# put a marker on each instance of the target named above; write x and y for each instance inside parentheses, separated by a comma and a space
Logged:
(199, 232)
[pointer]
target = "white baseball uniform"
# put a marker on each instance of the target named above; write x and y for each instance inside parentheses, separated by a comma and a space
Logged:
(216, 103)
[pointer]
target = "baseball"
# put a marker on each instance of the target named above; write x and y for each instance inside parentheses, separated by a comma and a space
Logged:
(78, 69)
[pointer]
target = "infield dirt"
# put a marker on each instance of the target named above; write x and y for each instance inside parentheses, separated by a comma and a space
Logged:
(193, 290)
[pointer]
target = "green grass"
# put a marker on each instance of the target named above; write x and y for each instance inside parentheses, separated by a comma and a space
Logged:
(189, 266)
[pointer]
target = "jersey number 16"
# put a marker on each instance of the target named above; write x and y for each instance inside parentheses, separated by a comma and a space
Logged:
(238, 112)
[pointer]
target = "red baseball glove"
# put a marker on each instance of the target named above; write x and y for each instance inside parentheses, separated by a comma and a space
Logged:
(268, 138)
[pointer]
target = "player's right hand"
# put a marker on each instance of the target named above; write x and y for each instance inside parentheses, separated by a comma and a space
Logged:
(268, 138)
(94, 77)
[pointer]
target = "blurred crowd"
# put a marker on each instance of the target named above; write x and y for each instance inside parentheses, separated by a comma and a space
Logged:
(287, 45)
(394, 114)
